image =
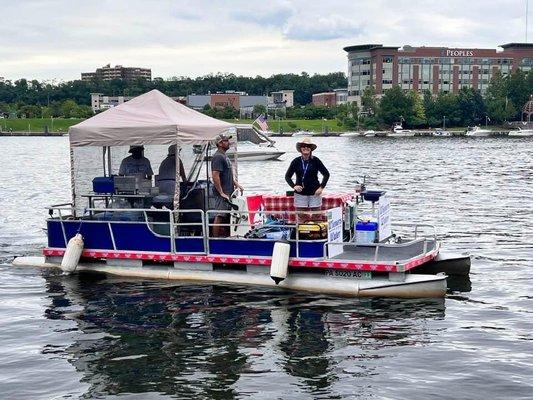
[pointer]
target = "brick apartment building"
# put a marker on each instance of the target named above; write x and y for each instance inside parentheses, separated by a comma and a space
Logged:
(108, 73)
(433, 68)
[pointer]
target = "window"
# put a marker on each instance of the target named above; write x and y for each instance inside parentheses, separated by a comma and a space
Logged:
(386, 81)
(387, 59)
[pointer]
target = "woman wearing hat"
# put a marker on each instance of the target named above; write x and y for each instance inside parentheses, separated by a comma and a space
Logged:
(307, 188)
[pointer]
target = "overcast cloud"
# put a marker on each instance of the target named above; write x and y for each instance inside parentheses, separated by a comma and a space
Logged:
(58, 39)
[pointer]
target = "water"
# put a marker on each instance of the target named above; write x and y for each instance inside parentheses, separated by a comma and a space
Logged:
(66, 337)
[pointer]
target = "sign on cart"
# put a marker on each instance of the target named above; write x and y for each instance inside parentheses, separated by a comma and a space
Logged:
(384, 222)
(334, 231)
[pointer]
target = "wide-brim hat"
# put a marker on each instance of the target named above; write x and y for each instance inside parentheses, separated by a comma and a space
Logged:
(135, 148)
(306, 141)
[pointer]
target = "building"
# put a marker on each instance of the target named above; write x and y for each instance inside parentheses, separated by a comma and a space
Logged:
(327, 99)
(108, 73)
(437, 69)
(239, 100)
(281, 99)
(331, 99)
(101, 102)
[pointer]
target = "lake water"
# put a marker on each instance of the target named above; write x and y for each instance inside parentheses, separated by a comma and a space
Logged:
(66, 337)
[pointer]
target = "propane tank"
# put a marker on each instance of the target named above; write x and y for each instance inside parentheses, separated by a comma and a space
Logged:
(72, 254)
(280, 261)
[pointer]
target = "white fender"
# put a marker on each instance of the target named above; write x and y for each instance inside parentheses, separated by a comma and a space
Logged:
(280, 261)
(72, 254)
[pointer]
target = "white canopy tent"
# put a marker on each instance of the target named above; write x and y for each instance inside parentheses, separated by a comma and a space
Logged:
(149, 119)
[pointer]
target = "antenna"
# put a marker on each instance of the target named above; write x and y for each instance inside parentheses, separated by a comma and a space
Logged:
(527, 4)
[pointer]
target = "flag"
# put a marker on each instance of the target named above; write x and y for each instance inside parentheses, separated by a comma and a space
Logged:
(262, 122)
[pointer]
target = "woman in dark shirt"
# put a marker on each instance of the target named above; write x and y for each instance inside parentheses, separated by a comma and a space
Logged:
(307, 188)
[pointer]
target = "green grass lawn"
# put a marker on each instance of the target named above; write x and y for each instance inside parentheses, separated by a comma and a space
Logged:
(292, 125)
(37, 124)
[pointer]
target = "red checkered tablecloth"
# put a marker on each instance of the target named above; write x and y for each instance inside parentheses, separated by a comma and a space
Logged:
(277, 202)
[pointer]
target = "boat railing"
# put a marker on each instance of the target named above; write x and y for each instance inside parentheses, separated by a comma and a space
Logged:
(417, 228)
(172, 226)
(244, 221)
(61, 207)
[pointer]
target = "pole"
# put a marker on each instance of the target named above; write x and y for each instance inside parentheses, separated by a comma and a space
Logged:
(527, 7)
(444, 123)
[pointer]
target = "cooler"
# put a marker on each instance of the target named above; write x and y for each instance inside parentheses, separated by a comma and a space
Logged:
(103, 184)
(313, 230)
(366, 232)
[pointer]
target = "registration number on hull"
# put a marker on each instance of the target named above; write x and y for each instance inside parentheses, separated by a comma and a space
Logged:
(336, 273)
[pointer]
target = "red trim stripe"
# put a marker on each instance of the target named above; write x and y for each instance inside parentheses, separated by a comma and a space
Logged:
(229, 259)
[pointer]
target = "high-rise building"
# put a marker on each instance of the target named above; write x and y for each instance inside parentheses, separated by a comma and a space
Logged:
(437, 69)
(108, 73)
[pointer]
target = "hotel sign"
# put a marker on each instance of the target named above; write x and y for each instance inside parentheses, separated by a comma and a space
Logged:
(457, 53)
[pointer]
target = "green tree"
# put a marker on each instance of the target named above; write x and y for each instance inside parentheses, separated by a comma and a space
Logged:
(446, 107)
(499, 107)
(259, 109)
(395, 105)
(471, 106)
(369, 103)
(517, 89)
(348, 115)
(68, 108)
(417, 114)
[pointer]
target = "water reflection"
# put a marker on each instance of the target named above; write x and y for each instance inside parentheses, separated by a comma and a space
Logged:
(224, 342)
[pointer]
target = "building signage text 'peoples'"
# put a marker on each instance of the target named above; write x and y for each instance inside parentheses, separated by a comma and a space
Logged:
(459, 53)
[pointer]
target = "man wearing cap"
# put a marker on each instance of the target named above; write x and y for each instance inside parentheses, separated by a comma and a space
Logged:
(307, 188)
(136, 165)
(166, 179)
(224, 183)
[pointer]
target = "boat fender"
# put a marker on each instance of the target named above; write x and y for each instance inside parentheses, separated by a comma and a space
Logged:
(72, 254)
(280, 261)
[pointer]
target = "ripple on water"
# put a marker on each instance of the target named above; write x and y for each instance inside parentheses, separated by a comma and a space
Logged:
(77, 336)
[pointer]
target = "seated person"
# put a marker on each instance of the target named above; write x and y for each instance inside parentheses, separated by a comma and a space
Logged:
(136, 165)
(166, 180)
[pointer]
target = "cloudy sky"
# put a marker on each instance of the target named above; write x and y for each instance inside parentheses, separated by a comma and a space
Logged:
(58, 39)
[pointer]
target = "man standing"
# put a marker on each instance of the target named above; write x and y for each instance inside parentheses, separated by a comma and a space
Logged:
(224, 184)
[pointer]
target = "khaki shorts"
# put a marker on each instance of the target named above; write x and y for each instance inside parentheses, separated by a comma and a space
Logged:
(303, 201)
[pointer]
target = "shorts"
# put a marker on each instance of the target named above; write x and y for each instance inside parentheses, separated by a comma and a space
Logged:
(303, 201)
(219, 203)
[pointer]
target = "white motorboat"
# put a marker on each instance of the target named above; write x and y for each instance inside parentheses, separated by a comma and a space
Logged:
(248, 151)
(398, 131)
(350, 134)
(369, 133)
(303, 133)
(441, 133)
(476, 131)
(521, 133)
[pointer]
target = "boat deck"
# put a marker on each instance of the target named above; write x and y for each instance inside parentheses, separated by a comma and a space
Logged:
(385, 253)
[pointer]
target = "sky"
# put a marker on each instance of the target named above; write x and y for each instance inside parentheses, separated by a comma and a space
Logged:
(56, 40)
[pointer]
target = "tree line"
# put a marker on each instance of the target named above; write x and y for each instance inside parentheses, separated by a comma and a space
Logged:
(24, 92)
(503, 100)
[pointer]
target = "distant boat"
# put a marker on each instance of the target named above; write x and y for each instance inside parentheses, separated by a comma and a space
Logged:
(398, 131)
(476, 131)
(441, 133)
(303, 133)
(521, 133)
(369, 133)
(248, 151)
(350, 134)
